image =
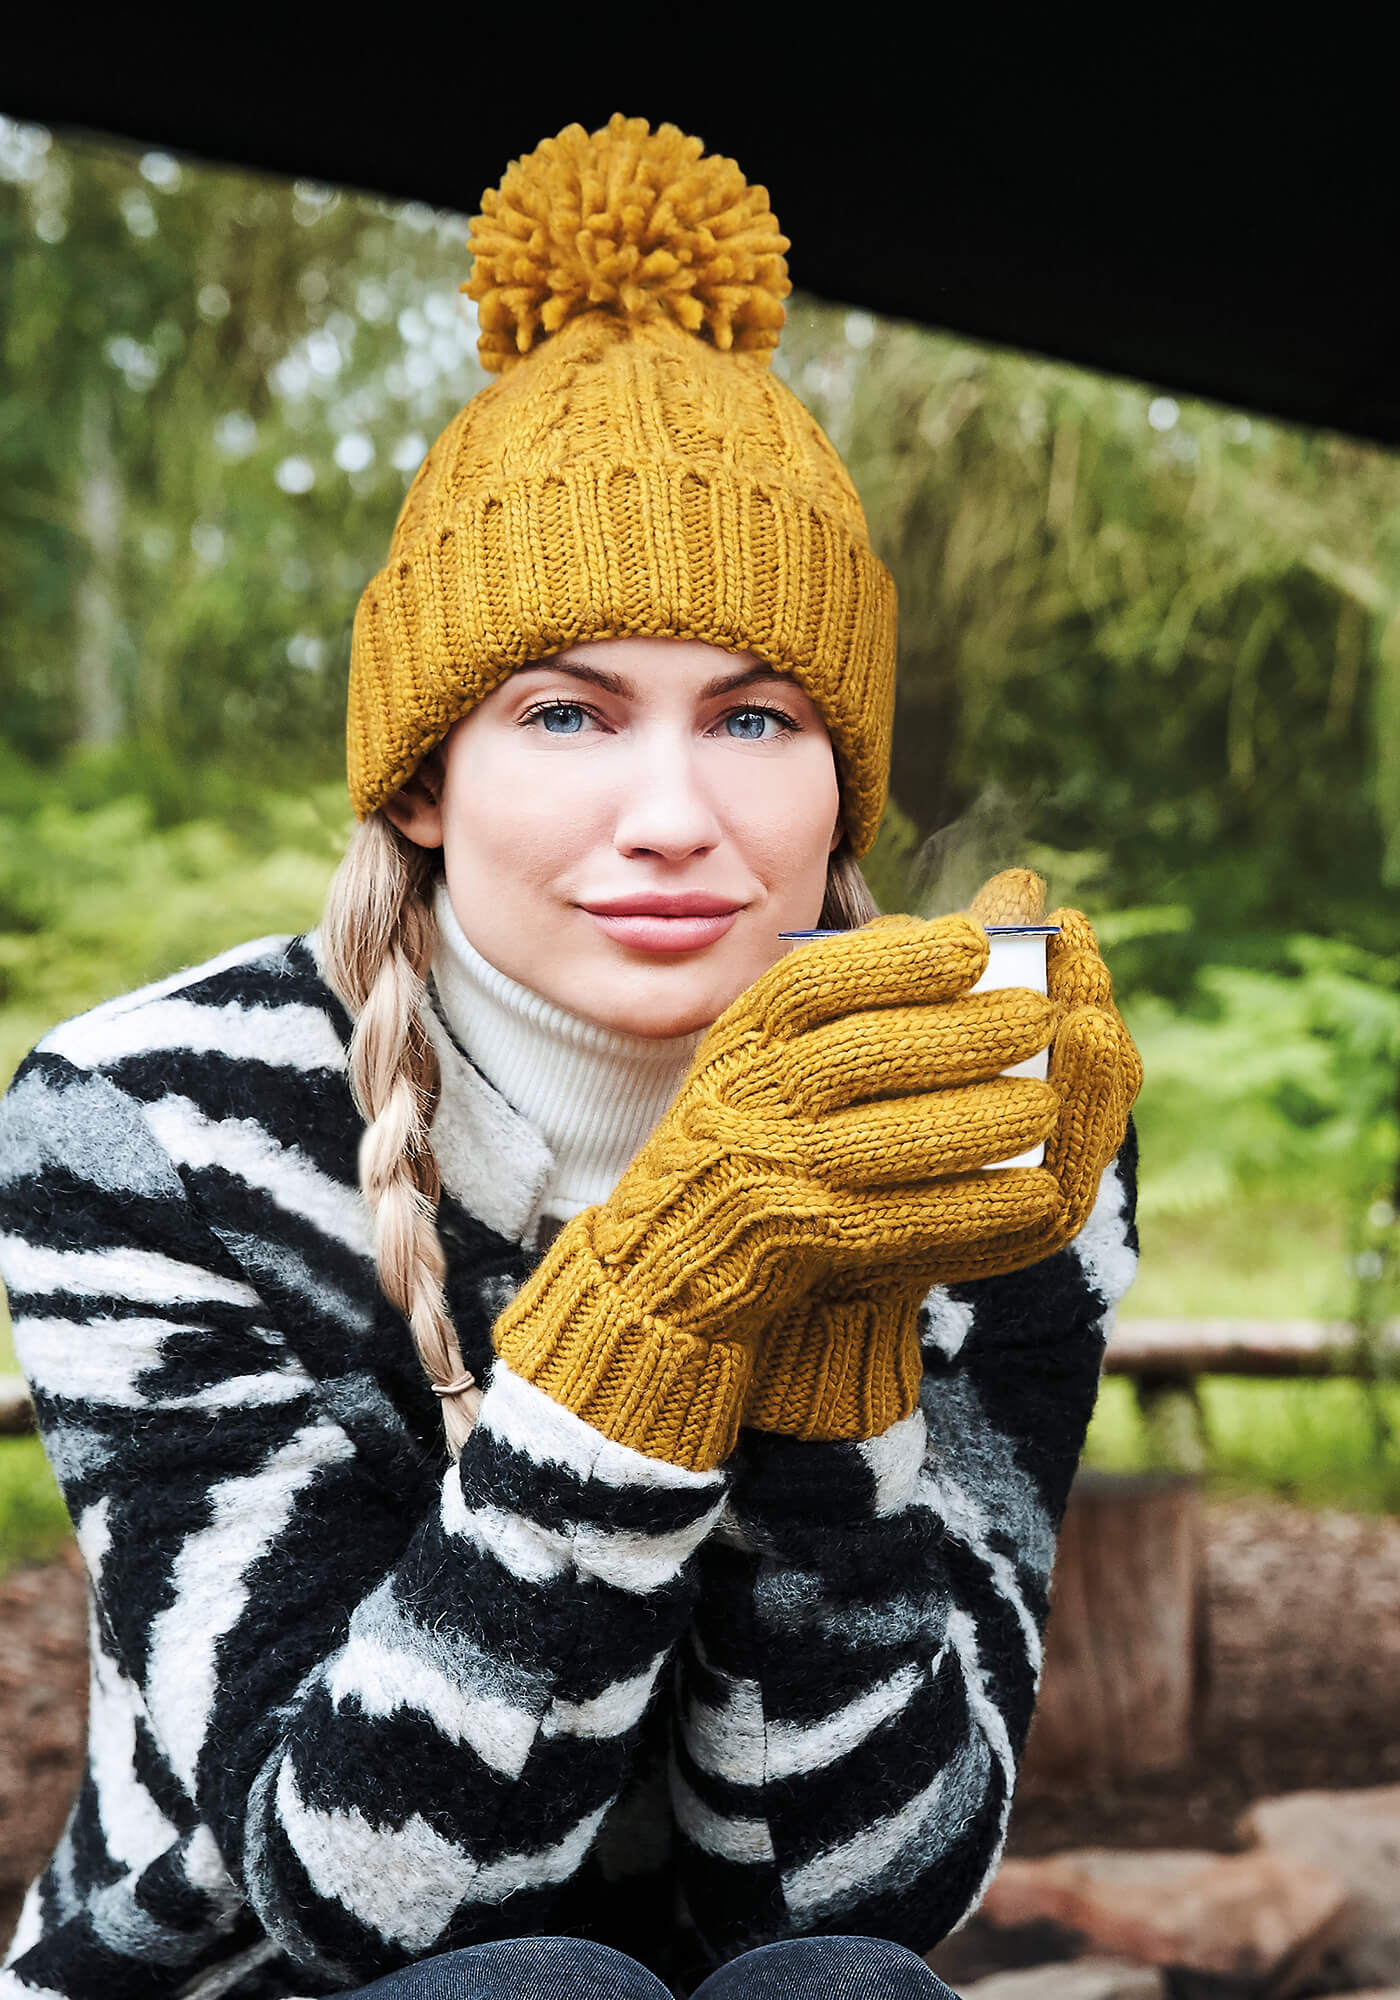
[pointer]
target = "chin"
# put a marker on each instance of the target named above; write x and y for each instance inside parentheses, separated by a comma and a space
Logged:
(659, 1016)
(659, 1001)
(662, 1024)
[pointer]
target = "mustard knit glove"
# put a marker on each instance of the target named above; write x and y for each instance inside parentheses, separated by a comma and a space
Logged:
(1095, 1071)
(829, 1130)
(840, 1361)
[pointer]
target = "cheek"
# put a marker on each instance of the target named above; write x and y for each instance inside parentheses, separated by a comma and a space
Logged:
(504, 822)
(785, 815)
(507, 851)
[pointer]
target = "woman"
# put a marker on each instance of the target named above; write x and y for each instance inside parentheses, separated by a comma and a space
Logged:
(565, 1428)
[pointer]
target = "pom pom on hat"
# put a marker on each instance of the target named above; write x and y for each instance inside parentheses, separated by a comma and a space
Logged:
(634, 223)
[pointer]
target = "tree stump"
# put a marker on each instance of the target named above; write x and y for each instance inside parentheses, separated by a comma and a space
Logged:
(1123, 1685)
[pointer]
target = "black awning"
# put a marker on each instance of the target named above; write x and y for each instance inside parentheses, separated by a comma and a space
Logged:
(1210, 219)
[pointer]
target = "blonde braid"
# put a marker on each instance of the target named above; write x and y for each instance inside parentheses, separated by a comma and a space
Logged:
(377, 938)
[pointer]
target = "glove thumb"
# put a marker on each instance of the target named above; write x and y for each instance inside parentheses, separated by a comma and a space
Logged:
(1015, 896)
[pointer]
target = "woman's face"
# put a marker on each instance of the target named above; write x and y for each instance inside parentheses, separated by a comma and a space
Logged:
(626, 828)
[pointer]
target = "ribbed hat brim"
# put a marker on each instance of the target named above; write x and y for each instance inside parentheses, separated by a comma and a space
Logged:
(596, 552)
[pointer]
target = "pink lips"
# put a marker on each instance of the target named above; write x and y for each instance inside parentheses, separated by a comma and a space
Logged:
(657, 922)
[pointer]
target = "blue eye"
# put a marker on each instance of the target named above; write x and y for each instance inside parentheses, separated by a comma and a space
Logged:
(749, 725)
(560, 718)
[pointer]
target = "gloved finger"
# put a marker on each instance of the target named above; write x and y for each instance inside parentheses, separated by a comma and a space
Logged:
(1132, 1069)
(901, 1050)
(1015, 896)
(912, 1225)
(1081, 979)
(910, 1139)
(1091, 1073)
(1074, 932)
(1014, 1251)
(1078, 978)
(893, 962)
(1095, 1039)
(1075, 971)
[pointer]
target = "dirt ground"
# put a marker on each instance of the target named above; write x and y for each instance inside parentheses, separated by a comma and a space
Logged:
(1304, 1667)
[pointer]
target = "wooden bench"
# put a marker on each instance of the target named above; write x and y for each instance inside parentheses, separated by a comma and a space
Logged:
(1170, 1349)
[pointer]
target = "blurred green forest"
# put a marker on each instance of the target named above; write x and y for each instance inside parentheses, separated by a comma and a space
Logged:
(1150, 645)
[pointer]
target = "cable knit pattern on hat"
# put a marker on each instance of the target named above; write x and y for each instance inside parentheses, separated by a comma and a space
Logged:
(592, 1094)
(626, 476)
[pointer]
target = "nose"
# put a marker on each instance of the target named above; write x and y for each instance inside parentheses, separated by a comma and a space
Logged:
(665, 808)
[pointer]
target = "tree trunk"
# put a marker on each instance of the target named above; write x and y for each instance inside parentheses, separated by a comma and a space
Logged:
(98, 704)
(1124, 1677)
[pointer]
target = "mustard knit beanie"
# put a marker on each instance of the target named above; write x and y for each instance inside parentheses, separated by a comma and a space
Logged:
(636, 469)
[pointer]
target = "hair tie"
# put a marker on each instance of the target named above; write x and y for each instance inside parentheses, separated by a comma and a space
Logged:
(459, 1383)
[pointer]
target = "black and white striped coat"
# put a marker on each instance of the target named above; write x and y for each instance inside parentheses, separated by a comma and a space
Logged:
(352, 1705)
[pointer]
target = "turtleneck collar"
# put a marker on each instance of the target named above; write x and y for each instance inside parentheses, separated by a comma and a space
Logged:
(593, 1094)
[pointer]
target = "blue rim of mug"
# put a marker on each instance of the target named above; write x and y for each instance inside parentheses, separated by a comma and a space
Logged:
(992, 930)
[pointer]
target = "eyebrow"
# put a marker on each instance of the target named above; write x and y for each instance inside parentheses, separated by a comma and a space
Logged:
(618, 684)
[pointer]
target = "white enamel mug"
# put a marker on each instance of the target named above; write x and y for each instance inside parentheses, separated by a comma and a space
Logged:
(1018, 959)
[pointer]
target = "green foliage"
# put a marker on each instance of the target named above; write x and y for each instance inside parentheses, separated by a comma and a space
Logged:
(97, 898)
(1261, 1258)
(33, 1519)
(889, 864)
(1271, 1083)
(213, 391)
(1155, 630)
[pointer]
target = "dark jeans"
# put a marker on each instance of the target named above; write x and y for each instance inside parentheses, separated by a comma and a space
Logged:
(823, 1968)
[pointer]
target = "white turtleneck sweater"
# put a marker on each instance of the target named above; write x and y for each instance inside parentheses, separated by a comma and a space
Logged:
(594, 1095)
